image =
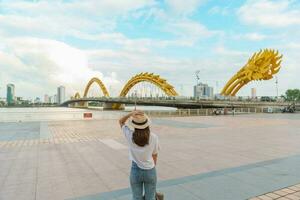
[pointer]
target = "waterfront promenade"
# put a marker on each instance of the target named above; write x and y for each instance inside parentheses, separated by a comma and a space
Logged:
(205, 157)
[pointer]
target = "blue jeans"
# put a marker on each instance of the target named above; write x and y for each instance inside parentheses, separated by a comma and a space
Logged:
(143, 179)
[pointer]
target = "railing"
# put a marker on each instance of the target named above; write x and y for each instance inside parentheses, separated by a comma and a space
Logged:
(173, 102)
(210, 112)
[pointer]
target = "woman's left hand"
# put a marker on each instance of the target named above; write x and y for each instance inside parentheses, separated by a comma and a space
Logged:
(137, 112)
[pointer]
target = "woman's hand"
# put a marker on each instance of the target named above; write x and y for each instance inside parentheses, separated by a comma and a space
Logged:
(133, 113)
(136, 112)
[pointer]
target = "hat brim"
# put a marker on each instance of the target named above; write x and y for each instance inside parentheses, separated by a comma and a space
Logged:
(133, 125)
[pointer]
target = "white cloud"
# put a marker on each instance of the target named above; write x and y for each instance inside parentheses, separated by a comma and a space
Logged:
(255, 36)
(60, 19)
(219, 10)
(51, 25)
(90, 7)
(45, 64)
(188, 32)
(108, 7)
(268, 13)
(222, 50)
(184, 7)
(252, 36)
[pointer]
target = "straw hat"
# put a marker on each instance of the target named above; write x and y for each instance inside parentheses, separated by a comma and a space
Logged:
(139, 121)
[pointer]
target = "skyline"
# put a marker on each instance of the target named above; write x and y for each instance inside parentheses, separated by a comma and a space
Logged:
(69, 42)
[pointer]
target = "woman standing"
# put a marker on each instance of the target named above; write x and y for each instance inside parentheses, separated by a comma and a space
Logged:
(143, 151)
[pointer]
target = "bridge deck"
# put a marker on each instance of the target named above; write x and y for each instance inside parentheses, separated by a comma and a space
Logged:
(179, 103)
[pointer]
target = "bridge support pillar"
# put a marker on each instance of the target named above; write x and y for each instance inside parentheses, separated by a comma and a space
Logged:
(113, 106)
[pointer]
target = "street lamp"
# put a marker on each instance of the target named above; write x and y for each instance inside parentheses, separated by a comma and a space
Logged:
(276, 82)
(135, 94)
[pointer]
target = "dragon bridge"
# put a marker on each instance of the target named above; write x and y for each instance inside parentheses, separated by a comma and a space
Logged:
(98, 82)
(261, 66)
(142, 77)
(151, 78)
(77, 95)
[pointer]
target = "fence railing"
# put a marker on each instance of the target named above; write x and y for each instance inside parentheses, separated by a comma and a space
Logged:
(210, 112)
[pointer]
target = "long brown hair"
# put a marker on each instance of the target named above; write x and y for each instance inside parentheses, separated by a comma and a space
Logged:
(141, 136)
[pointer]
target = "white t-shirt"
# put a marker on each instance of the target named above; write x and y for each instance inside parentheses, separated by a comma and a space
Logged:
(142, 156)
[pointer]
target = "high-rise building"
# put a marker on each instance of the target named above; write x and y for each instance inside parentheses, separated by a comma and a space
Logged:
(46, 98)
(198, 90)
(253, 93)
(203, 91)
(55, 98)
(209, 92)
(50, 99)
(10, 94)
(61, 94)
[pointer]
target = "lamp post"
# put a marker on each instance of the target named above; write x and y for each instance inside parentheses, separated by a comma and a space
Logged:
(276, 82)
(135, 94)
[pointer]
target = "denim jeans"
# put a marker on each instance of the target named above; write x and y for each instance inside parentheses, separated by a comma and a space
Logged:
(143, 180)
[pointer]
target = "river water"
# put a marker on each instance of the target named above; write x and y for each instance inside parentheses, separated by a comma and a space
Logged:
(62, 113)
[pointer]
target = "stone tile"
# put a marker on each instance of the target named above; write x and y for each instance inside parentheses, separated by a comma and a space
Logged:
(264, 197)
(272, 195)
(292, 197)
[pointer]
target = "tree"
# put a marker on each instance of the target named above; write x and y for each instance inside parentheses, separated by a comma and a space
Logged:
(292, 95)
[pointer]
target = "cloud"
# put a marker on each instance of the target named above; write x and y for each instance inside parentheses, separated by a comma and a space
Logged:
(63, 18)
(91, 7)
(45, 64)
(219, 10)
(184, 7)
(256, 37)
(188, 32)
(275, 14)
(59, 25)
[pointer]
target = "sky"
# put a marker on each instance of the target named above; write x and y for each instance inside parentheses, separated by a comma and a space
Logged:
(45, 44)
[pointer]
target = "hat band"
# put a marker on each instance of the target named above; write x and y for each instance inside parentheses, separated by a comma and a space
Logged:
(140, 124)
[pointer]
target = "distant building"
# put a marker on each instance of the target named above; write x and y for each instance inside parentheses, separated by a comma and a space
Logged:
(46, 98)
(55, 98)
(203, 91)
(10, 94)
(18, 100)
(253, 93)
(37, 100)
(2, 101)
(50, 99)
(61, 94)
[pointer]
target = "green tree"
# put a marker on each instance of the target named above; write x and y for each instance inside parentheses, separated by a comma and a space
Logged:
(292, 95)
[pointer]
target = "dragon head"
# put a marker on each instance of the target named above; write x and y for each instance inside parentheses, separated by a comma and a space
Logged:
(262, 65)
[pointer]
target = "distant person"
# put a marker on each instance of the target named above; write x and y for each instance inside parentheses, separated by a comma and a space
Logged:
(143, 152)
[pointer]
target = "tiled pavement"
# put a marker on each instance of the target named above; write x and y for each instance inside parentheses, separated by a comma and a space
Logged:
(288, 193)
(235, 183)
(220, 158)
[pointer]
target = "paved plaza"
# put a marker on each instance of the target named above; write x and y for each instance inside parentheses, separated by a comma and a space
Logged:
(206, 158)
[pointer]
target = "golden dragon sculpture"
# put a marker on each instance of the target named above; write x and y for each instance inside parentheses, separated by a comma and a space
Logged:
(261, 66)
